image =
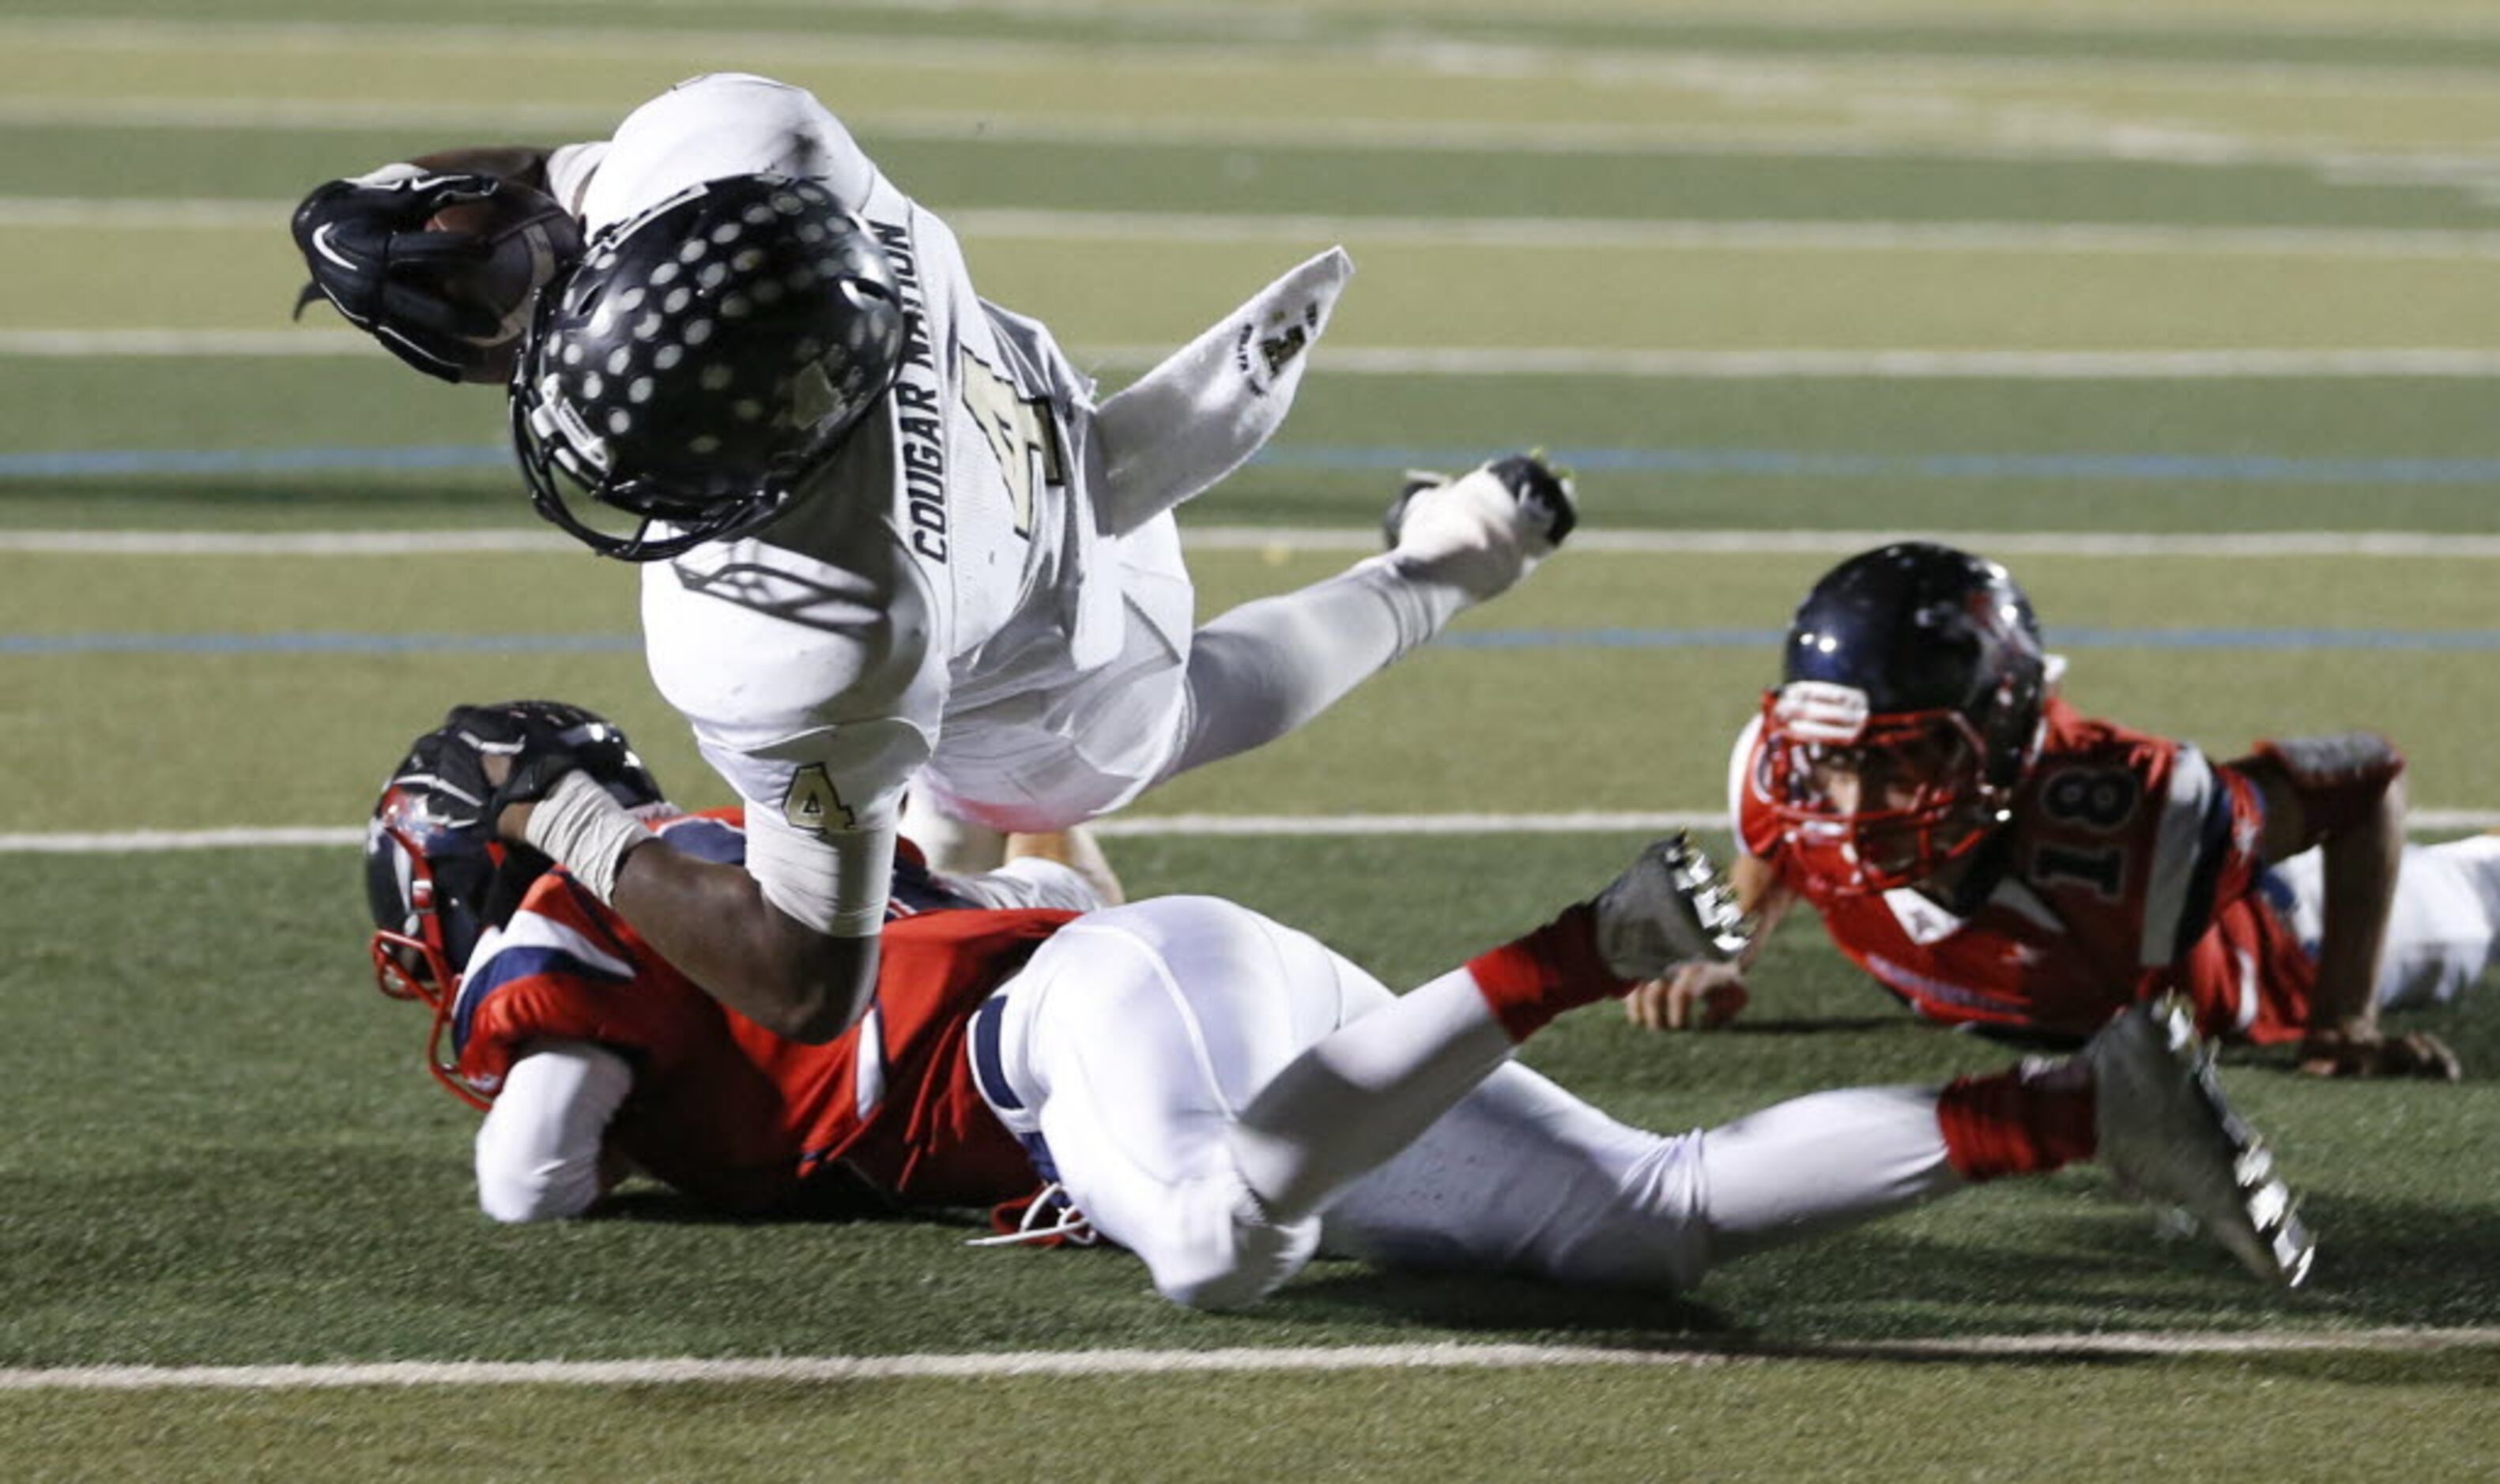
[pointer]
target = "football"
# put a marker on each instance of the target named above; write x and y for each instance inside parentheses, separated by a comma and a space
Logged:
(530, 238)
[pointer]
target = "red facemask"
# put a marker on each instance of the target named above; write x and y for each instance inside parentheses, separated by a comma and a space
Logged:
(409, 966)
(1869, 803)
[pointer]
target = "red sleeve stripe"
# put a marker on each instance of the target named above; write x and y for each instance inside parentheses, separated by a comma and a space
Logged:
(1741, 776)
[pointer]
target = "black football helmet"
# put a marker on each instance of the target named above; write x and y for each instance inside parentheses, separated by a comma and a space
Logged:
(702, 360)
(436, 875)
(1908, 712)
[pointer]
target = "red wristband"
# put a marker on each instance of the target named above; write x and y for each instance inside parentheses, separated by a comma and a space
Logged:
(1529, 980)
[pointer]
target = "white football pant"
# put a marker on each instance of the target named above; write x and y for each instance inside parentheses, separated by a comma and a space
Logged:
(2442, 930)
(1029, 747)
(1135, 1037)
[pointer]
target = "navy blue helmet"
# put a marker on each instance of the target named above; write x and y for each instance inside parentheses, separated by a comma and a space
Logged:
(1908, 712)
(701, 360)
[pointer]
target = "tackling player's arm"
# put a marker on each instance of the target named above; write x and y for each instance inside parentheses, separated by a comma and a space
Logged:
(542, 1152)
(1705, 995)
(2345, 795)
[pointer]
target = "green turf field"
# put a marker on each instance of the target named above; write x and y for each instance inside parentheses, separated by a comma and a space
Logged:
(2189, 273)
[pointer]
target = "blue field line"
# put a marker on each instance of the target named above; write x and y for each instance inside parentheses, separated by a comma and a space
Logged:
(2287, 641)
(1786, 463)
(2284, 640)
(216, 461)
(2243, 469)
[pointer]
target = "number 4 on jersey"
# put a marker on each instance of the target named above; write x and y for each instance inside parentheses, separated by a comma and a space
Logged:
(812, 804)
(1021, 433)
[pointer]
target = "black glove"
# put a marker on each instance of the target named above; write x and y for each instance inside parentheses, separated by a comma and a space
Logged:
(450, 779)
(544, 741)
(373, 258)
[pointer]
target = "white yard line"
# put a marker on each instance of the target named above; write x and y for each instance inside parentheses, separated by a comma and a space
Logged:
(1135, 826)
(1547, 233)
(183, 344)
(158, 842)
(1745, 365)
(2123, 545)
(1668, 67)
(1238, 1362)
(1877, 364)
(223, 543)
(2313, 18)
(1652, 232)
(1285, 540)
(2072, 139)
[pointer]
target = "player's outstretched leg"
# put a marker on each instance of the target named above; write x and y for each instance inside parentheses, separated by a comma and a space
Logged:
(2443, 931)
(1201, 1079)
(2141, 1099)
(2165, 1134)
(1366, 1090)
(2444, 927)
(1267, 667)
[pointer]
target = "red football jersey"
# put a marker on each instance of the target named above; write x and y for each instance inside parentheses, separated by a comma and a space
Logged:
(2131, 867)
(732, 1114)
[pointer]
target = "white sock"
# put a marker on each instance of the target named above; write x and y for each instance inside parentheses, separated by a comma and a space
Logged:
(1821, 1162)
(1472, 534)
(1272, 664)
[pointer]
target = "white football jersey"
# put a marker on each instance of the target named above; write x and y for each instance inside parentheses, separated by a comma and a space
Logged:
(986, 548)
(950, 533)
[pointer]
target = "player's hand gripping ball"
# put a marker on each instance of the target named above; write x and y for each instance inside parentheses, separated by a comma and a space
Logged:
(440, 268)
(527, 239)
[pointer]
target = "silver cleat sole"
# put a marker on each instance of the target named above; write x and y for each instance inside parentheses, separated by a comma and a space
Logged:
(2167, 1134)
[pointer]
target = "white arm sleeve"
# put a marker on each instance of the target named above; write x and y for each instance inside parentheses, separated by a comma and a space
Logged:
(834, 882)
(537, 1151)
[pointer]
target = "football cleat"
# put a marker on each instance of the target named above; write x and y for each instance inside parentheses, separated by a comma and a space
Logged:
(1483, 530)
(2168, 1135)
(1669, 906)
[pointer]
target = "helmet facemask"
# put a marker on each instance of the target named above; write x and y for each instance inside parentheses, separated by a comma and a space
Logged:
(1869, 804)
(436, 897)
